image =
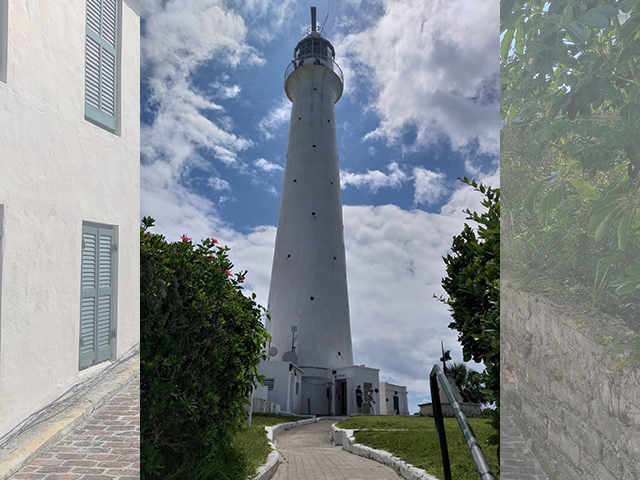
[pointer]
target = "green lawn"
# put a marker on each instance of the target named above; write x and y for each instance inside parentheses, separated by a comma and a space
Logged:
(253, 442)
(419, 445)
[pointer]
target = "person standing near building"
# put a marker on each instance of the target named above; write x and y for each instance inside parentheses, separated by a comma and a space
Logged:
(372, 402)
(359, 398)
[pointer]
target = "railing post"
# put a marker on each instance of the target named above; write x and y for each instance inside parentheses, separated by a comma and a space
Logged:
(437, 415)
(472, 442)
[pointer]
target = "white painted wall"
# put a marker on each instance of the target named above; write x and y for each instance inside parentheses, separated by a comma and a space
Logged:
(358, 375)
(285, 376)
(309, 258)
(387, 392)
(56, 171)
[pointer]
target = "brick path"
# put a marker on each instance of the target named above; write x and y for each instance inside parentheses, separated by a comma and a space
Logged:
(516, 460)
(308, 454)
(106, 447)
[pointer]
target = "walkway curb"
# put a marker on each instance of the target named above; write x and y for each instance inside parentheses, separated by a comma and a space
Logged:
(269, 469)
(35, 439)
(405, 470)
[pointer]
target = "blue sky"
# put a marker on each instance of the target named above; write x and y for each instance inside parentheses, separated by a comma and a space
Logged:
(420, 108)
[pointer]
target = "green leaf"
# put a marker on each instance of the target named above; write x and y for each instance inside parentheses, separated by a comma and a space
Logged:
(623, 228)
(606, 223)
(567, 16)
(578, 32)
(606, 10)
(548, 202)
(529, 200)
(632, 155)
(519, 46)
(583, 188)
(630, 112)
(633, 269)
(595, 19)
(627, 287)
(505, 45)
(600, 214)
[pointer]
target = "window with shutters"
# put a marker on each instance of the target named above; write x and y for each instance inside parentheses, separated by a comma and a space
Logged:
(97, 325)
(101, 63)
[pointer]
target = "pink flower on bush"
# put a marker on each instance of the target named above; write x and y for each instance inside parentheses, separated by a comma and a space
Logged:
(228, 272)
(213, 240)
(185, 238)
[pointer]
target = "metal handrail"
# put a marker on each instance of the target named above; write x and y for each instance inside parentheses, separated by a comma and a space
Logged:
(472, 442)
(313, 59)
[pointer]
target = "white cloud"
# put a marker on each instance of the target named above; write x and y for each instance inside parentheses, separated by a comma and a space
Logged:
(275, 119)
(225, 91)
(374, 179)
(218, 184)
(266, 166)
(429, 186)
(371, 150)
(434, 70)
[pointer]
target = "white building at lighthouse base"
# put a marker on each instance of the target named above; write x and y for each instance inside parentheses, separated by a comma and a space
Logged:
(325, 391)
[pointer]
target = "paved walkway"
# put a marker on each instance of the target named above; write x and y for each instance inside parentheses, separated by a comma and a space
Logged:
(308, 454)
(516, 460)
(106, 447)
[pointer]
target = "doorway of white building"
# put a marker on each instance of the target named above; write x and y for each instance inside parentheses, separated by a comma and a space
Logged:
(341, 397)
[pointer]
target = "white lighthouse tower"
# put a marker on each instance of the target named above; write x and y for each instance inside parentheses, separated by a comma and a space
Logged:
(310, 367)
(308, 299)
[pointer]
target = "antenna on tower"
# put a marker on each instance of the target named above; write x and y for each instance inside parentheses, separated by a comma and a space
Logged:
(313, 19)
(325, 21)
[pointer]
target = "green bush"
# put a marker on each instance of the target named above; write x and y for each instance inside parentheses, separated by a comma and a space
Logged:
(473, 286)
(570, 150)
(201, 343)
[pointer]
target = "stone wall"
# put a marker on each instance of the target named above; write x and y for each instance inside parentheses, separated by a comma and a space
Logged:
(580, 412)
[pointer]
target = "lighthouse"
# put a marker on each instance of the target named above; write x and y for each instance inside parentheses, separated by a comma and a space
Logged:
(310, 361)
(308, 300)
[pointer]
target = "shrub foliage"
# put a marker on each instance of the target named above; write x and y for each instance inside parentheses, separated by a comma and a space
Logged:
(473, 286)
(570, 149)
(201, 343)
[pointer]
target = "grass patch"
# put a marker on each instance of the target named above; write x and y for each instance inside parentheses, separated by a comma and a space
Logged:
(253, 443)
(419, 445)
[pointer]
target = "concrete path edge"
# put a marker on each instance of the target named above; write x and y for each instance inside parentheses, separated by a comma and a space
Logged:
(269, 469)
(32, 441)
(345, 438)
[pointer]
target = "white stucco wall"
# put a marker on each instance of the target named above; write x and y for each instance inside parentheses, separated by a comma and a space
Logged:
(387, 392)
(285, 376)
(56, 171)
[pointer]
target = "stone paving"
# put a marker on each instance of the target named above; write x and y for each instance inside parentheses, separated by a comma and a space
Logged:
(517, 462)
(308, 454)
(106, 447)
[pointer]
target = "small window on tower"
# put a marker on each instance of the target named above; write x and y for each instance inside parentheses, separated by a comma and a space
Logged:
(311, 298)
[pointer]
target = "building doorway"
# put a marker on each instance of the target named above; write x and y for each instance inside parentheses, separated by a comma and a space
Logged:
(341, 397)
(396, 405)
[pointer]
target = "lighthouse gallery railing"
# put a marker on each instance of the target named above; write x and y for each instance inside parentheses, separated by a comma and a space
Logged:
(313, 59)
(472, 442)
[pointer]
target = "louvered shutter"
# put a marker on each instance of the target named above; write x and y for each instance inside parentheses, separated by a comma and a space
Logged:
(101, 46)
(96, 304)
